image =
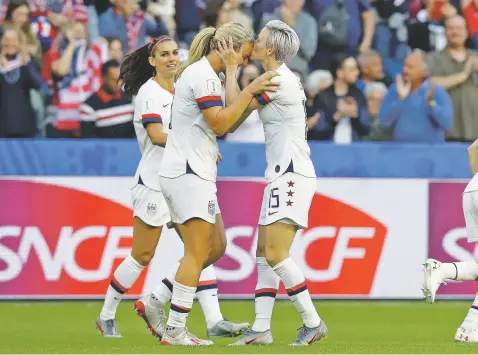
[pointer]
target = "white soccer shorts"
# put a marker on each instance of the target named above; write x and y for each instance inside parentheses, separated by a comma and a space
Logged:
(150, 206)
(189, 196)
(288, 200)
(470, 211)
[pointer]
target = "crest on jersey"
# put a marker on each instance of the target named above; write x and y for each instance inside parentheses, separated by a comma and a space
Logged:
(151, 209)
(148, 105)
(211, 208)
(214, 87)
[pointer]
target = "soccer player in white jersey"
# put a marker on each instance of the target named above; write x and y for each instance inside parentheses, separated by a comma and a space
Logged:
(436, 272)
(288, 195)
(188, 170)
(149, 74)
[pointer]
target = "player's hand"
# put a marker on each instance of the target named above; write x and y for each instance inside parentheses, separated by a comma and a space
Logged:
(264, 83)
(219, 158)
(229, 56)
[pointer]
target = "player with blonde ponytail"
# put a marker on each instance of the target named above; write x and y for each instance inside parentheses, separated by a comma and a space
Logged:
(203, 108)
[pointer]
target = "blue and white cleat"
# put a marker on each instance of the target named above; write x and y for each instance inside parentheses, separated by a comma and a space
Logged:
(252, 337)
(225, 328)
(308, 336)
(107, 328)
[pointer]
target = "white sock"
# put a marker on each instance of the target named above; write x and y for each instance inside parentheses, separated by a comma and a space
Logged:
(472, 315)
(123, 279)
(463, 271)
(181, 304)
(294, 283)
(206, 293)
(164, 290)
(266, 290)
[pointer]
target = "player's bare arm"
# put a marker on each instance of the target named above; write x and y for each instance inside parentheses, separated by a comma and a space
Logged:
(473, 157)
(221, 119)
(156, 134)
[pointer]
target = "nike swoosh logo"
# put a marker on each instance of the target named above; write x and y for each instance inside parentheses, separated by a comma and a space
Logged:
(165, 105)
(271, 213)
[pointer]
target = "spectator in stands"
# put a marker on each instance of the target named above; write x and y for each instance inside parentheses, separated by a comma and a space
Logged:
(470, 12)
(188, 20)
(124, 20)
(317, 81)
(48, 17)
(371, 69)
(18, 75)
(344, 114)
(391, 34)
(354, 40)
(304, 25)
(115, 49)
(456, 69)
(375, 92)
(237, 14)
(415, 109)
(70, 67)
(18, 15)
(426, 31)
(165, 10)
(251, 130)
(216, 13)
(108, 113)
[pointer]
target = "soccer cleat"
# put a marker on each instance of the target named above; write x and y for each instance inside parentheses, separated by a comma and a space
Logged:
(252, 337)
(226, 328)
(432, 279)
(467, 333)
(181, 336)
(151, 313)
(107, 328)
(308, 335)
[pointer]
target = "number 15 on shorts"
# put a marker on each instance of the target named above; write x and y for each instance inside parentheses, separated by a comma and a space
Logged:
(274, 198)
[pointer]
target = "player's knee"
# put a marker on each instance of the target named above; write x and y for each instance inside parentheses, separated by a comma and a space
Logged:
(275, 256)
(143, 257)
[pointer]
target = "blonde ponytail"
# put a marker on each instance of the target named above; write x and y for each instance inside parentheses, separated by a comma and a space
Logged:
(199, 48)
(206, 41)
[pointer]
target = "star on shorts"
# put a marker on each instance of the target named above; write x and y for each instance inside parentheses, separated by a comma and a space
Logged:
(291, 183)
(289, 203)
(290, 193)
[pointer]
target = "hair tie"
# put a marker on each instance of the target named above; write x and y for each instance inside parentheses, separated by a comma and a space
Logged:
(160, 39)
(214, 34)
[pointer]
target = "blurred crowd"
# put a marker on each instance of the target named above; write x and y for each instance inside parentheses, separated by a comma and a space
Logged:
(373, 70)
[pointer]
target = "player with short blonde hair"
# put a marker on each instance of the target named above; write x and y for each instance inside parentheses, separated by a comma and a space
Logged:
(290, 190)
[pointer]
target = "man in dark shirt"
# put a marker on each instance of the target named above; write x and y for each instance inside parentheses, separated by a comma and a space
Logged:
(108, 113)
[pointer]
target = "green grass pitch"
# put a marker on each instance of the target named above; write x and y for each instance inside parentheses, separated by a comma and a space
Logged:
(354, 327)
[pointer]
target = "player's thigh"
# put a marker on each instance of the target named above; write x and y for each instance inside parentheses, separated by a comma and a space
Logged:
(145, 241)
(288, 199)
(219, 240)
(470, 212)
(196, 235)
(188, 197)
(277, 237)
(150, 214)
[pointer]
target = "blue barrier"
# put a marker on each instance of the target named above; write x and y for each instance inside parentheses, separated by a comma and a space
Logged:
(120, 158)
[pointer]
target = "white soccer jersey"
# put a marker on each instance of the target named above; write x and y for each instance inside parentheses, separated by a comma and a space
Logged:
(285, 127)
(472, 185)
(152, 105)
(192, 146)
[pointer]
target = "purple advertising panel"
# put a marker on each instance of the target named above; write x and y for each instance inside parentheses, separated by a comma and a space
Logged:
(447, 236)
